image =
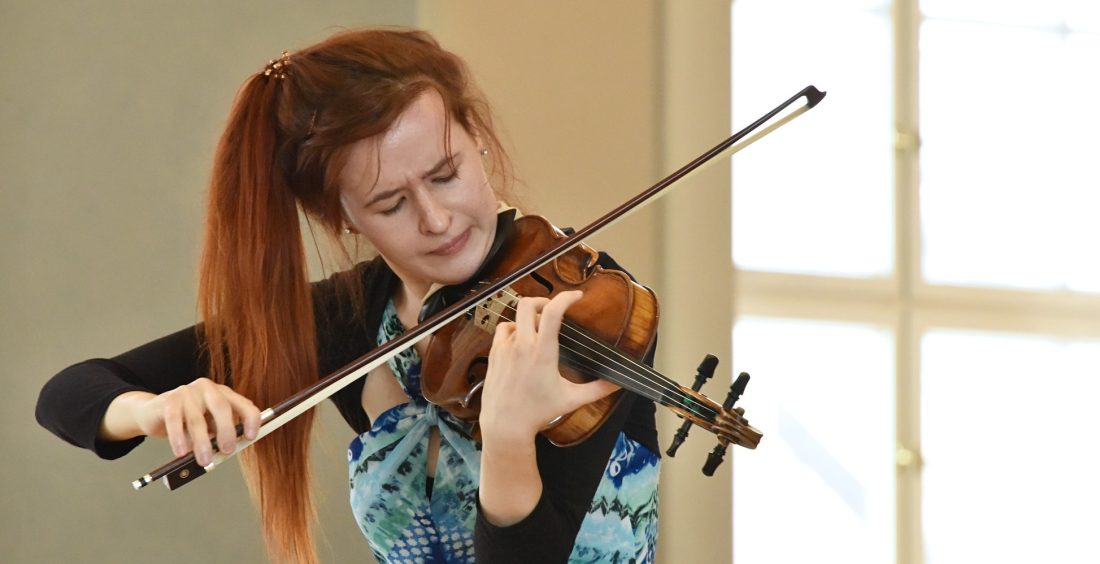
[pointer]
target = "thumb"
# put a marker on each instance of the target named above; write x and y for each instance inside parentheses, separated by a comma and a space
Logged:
(588, 392)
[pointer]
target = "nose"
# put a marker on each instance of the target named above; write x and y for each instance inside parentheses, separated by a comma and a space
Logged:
(435, 216)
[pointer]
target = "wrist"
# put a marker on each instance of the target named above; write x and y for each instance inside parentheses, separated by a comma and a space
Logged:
(122, 421)
(506, 435)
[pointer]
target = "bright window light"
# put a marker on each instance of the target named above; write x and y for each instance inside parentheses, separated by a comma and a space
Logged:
(1038, 13)
(1009, 459)
(823, 182)
(1010, 185)
(822, 393)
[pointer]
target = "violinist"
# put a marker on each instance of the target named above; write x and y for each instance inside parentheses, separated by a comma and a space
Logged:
(381, 139)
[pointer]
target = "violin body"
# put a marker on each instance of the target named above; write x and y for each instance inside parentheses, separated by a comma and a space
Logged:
(614, 310)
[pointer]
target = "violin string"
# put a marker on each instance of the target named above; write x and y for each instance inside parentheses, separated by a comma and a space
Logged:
(629, 369)
(642, 375)
(645, 376)
(638, 374)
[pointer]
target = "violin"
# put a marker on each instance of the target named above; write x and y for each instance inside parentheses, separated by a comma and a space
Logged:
(551, 265)
(605, 335)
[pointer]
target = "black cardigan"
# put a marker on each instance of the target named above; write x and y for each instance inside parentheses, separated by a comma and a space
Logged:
(72, 405)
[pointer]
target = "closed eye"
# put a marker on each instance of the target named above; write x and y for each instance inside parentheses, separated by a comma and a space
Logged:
(393, 209)
(445, 179)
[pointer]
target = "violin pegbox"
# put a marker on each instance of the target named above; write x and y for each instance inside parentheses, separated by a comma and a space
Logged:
(731, 426)
(727, 423)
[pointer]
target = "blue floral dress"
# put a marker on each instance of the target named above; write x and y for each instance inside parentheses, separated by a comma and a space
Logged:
(402, 523)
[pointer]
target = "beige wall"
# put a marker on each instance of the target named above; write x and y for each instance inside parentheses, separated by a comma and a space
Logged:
(110, 113)
(109, 117)
(574, 85)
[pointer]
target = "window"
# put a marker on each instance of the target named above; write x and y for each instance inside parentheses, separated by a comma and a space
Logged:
(918, 298)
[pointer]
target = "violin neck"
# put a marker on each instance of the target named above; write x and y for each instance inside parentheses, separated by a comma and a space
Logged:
(608, 363)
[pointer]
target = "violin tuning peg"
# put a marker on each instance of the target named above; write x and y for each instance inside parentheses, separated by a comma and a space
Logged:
(714, 459)
(705, 371)
(678, 438)
(716, 456)
(702, 374)
(736, 389)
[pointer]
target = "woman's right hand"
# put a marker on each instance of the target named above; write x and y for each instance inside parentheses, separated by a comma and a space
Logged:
(188, 416)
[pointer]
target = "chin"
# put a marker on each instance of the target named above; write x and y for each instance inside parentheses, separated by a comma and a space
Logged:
(461, 273)
(449, 273)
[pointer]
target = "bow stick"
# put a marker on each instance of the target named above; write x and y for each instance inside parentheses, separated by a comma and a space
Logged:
(184, 469)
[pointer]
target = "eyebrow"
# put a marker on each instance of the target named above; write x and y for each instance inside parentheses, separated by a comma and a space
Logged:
(388, 193)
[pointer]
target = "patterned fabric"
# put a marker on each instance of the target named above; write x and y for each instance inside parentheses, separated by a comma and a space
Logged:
(387, 468)
(621, 525)
(388, 477)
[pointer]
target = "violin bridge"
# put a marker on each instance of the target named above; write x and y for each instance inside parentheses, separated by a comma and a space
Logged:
(494, 309)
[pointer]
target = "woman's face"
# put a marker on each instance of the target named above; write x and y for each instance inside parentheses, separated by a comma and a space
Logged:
(431, 224)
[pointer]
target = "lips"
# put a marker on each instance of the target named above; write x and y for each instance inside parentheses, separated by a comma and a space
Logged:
(454, 245)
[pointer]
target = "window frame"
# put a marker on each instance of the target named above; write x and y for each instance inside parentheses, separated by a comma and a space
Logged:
(903, 302)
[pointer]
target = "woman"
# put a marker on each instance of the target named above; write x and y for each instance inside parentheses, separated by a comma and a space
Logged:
(380, 137)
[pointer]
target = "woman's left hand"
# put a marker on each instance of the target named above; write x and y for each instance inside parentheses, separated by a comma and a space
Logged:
(524, 389)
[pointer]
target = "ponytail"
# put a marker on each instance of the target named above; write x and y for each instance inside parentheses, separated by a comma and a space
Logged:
(254, 297)
(284, 146)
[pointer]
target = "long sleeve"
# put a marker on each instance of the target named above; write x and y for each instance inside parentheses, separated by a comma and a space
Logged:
(73, 403)
(570, 477)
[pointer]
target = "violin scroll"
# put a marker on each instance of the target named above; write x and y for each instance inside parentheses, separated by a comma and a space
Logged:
(725, 421)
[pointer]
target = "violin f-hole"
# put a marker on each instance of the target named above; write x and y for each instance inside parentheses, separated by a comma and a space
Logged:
(475, 379)
(543, 282)
(477, 370)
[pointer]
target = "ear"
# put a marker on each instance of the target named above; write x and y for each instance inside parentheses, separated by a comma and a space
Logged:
(475, 135)
(347, 227)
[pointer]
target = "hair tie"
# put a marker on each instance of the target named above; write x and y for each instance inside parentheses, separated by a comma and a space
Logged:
(277, 67)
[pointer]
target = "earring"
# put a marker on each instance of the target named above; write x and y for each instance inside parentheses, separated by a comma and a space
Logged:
(484, 152)
(347, 230)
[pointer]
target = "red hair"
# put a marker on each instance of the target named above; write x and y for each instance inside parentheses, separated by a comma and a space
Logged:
(283, 149)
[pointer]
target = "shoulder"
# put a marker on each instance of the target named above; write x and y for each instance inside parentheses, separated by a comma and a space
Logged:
(362, 287)
(607, 261)
(348, 309)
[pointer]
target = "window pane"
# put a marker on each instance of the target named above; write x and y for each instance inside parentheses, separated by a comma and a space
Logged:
(816, 196)
(1009, 180)
(1037, 13)
(1008, 432)
(1083, 15)
(820, 487)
